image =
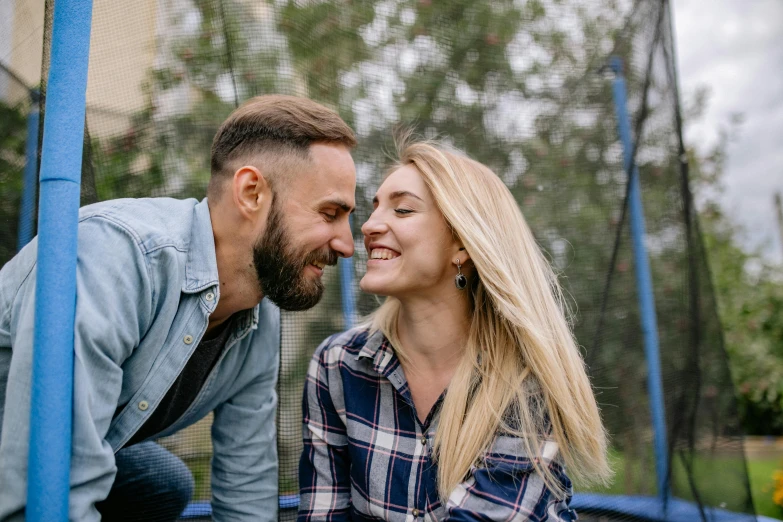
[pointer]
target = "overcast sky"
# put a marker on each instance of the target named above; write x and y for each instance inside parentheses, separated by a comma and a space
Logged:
(735, 47)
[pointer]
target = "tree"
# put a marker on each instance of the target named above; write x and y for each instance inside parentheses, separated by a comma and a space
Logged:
(749, 291)
(13, 137)
(508, 82)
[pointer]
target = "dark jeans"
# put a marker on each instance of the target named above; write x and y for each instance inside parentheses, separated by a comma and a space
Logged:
(151, 485)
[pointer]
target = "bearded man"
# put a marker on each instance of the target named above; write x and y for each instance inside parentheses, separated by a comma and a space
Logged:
(177, 316)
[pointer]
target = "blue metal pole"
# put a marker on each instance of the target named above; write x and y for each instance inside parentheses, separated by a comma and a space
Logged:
(49, 461)
(26, 229)
(346, 291)
(644, 284)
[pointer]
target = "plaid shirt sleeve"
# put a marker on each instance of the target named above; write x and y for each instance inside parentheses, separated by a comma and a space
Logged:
(505, 487)
(324, 468)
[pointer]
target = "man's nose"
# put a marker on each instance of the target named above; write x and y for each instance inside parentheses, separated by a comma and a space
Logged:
(342, 243)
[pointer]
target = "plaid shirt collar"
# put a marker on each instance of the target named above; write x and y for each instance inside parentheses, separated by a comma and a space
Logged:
(385, 362)
(378, 348)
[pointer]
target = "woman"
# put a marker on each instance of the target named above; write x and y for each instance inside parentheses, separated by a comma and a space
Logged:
(465, 396)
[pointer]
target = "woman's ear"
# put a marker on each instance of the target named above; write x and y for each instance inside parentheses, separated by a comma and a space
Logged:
(462, 256)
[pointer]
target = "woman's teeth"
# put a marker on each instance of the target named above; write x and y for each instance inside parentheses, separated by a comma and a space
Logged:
(383, 253)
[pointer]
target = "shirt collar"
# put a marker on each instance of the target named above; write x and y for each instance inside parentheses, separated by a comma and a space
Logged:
(385, 363)
(379, 349)
(201, 266)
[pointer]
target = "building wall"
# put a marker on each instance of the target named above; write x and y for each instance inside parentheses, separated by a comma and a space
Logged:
(122, 50)
(21, 44)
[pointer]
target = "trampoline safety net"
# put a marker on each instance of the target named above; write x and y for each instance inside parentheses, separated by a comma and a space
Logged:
(521, 85)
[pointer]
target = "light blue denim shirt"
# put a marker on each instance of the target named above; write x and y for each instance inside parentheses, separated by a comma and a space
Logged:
(147, 282)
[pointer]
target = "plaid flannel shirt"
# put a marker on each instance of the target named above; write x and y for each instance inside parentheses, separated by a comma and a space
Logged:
(368, 457)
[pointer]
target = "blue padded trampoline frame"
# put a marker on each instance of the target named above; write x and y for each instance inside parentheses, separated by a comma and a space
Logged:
(49, 458)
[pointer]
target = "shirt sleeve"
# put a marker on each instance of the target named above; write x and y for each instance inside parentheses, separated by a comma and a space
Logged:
(506, 487)
(113, 310)
(244, 439)
(324, 468)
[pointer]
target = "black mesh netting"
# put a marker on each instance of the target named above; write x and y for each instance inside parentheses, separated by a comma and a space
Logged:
(522, 86)
(16, 110)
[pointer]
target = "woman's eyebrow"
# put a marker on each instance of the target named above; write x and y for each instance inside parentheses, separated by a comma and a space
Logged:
(399, 194)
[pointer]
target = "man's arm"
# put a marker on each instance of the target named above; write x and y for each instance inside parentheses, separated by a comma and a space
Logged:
(324, 468)
(113, 308)
(244, 440)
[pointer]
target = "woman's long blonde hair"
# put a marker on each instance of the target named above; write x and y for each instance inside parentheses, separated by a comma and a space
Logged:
(521, 372)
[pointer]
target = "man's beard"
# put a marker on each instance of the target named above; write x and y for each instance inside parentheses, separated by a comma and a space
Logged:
(280, 266)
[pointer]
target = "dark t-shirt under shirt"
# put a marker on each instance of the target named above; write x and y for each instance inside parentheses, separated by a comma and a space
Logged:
(187, 386)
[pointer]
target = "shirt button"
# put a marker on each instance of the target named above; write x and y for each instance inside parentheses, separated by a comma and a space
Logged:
(424, 441)
(188, 339)
(210, 296)
(143, 405)
(415, 512)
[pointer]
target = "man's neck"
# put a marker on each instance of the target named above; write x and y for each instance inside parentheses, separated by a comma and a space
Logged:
(239, 288)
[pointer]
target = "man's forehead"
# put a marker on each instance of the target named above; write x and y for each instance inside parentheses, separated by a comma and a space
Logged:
(330, 173)
(318, 189)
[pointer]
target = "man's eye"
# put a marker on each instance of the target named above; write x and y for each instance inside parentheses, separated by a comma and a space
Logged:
(402, 211)
(329, 217)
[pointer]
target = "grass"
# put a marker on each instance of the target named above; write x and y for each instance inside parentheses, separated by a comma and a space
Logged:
(719, 481)
(762, 484)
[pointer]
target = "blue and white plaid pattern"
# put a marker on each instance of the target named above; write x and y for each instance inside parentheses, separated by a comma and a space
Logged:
(368, 457)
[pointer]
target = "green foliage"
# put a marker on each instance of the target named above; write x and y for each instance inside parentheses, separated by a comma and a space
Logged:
(749, 291)
(13, 137)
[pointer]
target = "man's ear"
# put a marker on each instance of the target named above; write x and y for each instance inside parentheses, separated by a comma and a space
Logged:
(251, 192)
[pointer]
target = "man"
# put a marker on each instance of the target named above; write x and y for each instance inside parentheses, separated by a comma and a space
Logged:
(175, 319)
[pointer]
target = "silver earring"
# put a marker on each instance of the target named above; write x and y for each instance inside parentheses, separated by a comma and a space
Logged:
(460, 280)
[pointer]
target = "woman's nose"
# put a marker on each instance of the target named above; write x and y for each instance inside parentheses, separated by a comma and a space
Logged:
(373, 225)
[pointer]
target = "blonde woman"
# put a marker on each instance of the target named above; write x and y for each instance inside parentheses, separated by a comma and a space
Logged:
(465, 396)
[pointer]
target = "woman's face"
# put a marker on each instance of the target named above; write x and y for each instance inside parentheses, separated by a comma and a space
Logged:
(411, 250)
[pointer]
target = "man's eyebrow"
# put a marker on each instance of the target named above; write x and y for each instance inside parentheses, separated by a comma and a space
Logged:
(341, 204)
(399, 194)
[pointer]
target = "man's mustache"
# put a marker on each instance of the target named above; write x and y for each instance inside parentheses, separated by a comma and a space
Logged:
(326, 256)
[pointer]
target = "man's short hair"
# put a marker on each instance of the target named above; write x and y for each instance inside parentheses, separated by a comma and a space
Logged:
(276, 124)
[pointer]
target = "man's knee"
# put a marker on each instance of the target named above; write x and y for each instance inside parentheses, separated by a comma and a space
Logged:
(180, 485)
(170, 480)
(151, 484)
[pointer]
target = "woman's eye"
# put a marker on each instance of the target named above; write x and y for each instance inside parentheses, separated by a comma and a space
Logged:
(402, 211)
